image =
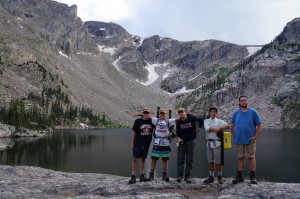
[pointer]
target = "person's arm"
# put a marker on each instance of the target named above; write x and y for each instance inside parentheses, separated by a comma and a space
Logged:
(132, 139)
(224, 125)
(258, 131)
(232, 129)
(178, 132)
(200, 120)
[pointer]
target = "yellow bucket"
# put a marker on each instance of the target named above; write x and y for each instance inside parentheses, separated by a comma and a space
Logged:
(227, 139)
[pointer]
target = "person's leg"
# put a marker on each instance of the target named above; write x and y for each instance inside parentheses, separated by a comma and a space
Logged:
(136, 153)
(142, 166)
(218, 163)
(133, 166)
(154, 157)
(180, 161)
(250, 153)
(165, 169)
(240, 149)
(189, 160)
(211, 165)
(252, 163)
(220, 173)
(241, 164)
(145, 149)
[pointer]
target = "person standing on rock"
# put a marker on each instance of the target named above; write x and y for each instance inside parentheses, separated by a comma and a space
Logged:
(140, 143)
(162, 139)
(246, 127)
(186, 133)
(212, 126)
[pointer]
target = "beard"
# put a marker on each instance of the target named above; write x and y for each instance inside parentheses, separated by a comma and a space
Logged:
(243, 106)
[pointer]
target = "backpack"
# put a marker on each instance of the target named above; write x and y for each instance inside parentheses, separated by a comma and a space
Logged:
(172, 130)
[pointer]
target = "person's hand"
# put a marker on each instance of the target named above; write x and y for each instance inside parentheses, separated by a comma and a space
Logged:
(180, 141)
(253, 139)
(198, 130)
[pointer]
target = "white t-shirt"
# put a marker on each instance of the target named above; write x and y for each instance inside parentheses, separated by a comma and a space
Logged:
(212, 123)
(161, 137)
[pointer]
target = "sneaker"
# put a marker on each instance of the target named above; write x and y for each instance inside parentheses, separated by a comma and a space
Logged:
(220, 180)
(143, 179)
(179, 179)
(238, 178)
(252, 177)
(151, 176)
(209, 180)
(165, 177)
(132, 180)
(188, 180)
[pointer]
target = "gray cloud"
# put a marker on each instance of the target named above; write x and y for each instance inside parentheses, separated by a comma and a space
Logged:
(236, 21)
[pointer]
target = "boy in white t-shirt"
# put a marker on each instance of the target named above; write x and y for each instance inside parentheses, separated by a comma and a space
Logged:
(212, 126)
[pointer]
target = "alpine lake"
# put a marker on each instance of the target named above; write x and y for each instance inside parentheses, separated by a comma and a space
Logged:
(108, 151)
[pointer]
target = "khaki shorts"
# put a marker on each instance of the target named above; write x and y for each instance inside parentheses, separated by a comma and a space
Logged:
(246, 150)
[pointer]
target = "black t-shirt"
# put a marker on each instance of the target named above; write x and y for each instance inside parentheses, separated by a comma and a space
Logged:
(143, 130)
(186, 129)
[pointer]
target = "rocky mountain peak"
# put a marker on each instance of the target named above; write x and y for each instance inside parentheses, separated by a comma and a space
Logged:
(292, 30)
(107, 34)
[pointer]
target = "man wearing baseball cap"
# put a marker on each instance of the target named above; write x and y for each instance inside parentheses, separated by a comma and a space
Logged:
(212, 126)
(186, 133)
(140, 143)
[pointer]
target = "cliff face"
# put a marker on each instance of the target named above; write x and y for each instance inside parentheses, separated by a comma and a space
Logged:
(270, 78)
(55, 22)
(102, 66)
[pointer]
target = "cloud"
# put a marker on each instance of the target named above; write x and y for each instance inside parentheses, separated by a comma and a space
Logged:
(236, 21)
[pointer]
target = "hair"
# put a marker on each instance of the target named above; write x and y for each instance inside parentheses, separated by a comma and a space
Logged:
(243, 96)
(213, 108)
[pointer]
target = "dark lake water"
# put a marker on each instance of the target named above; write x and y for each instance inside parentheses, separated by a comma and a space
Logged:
(108, 151)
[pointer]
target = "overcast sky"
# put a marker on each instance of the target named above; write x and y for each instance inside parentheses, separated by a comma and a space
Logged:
(236, 21)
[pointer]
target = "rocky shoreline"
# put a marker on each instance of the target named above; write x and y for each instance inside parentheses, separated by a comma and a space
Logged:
(8, 131)
(35, 182)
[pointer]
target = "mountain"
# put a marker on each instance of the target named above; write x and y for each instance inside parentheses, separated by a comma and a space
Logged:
(44, 44)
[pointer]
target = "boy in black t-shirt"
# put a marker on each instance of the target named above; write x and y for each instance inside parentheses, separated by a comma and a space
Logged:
(141, 139)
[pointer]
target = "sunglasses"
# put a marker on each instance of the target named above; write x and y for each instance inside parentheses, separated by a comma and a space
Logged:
(162, 113)
(180, 112)
(145, 112)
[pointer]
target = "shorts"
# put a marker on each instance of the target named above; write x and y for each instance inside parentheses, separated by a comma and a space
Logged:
(213, 154)
(141, 151)
(246, 150)
(163, 151)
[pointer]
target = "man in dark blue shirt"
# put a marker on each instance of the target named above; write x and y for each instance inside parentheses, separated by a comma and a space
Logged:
(186, 133)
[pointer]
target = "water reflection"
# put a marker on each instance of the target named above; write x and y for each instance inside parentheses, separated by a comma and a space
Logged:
(108, 151)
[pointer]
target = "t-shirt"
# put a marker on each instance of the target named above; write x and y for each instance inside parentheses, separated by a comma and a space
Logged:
(245, 125)
(212, 123)
(161, 134)
(143, 130)
(186, 129)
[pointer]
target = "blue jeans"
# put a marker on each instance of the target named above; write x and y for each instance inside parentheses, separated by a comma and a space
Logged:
(185, 154)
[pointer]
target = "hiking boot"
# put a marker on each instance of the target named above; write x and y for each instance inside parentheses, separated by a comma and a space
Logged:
(238, 178)
(220, 180)
(143, 179)
(151, 176)
(179, 179)
(132, 180)
(165, 177)
(188, 180)
(252, 177)
(209, 180)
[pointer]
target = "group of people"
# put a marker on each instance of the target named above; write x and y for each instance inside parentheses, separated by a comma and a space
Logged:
(245, 127)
